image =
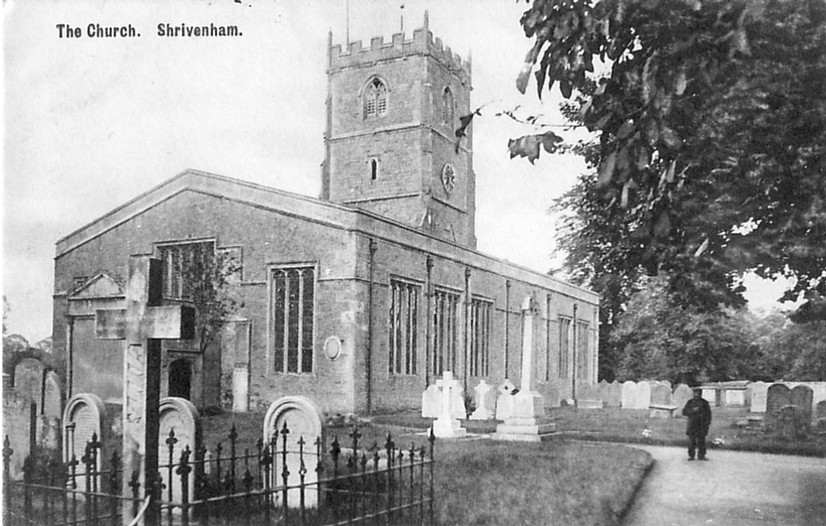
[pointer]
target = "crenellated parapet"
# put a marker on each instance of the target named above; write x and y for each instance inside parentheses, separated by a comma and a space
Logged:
(422, 43)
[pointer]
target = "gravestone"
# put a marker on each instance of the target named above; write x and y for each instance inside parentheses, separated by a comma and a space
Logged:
(235, 359)
(527, 421)
(19, 421)
(820, 416)
(802, 398)
(602, 386)
(52, 396)
(661, 394)
(711, 395)
(485, 402)
(28, 380)
(777, 396)
(614, 398)
(447, 425)
(628, 395)
(643, 395)
(302, 418)
(759, 393)
(682, 394)
(791, 422)
(84, 418)
(819, 389)
(178, 416)
(240, 389)
(430, 402)
(588, 397)
(667, 382)
(504, 401)
(735, 397)
(142, 325)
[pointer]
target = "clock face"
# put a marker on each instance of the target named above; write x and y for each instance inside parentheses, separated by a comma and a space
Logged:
(448, 177)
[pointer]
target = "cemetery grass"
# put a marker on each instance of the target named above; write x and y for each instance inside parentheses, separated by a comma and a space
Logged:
(629, 426)
(486, 482)
(728, 430)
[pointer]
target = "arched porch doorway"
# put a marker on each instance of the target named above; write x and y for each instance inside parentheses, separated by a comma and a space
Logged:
(180, 378)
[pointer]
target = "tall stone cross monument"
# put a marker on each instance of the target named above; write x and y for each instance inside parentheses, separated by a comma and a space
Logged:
(143, 324)
(527, 421)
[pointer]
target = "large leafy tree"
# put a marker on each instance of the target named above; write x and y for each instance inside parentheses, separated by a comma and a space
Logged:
(665, 339)
(711, 125)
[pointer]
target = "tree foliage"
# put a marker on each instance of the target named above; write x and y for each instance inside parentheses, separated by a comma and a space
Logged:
(664, 339)
(208, 285)
(711, 123)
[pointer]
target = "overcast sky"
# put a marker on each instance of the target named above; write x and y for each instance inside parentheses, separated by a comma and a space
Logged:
(92, 122)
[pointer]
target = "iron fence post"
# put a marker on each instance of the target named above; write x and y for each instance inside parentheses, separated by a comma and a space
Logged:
(183, 470)
(389, 447)
(335, 451)
(113, 483)
(376, 488)
(286, 472)
(233, 437)
(412, 460)
(73, 469)
(421, 485)
(247, 480)
(7, 453)
(431, 439)
(28, 475)
(135, 485)
(302, 473)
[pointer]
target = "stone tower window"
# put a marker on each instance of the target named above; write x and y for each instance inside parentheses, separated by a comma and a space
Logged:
(375, 99)
(374, 169)
(447, 107)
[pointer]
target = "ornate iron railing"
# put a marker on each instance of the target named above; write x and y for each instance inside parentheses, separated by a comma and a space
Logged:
(279, 482)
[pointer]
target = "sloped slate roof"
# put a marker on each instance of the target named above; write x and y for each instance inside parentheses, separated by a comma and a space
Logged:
(308, 208)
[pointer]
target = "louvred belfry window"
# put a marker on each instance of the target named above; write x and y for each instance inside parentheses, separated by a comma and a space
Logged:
(375, 99)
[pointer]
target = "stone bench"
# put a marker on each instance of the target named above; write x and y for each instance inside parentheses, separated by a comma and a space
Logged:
(661, 411)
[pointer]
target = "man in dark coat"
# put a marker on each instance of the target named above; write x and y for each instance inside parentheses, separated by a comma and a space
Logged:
(699, 417)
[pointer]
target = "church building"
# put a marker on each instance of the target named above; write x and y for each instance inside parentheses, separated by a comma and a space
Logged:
(359, 299)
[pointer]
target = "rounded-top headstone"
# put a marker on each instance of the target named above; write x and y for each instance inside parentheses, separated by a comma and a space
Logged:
(52, 396)
(629, 395)
(777, 396)
(802, 396)
(83, 417)
(28, 380)
(179, 415)
(682, 394)
(302, 419)
(660, 394)
(302, 416)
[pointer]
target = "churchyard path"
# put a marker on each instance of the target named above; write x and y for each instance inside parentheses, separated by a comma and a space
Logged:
(731, 489)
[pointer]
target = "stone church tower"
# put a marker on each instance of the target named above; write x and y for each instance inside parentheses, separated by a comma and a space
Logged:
(391, 147)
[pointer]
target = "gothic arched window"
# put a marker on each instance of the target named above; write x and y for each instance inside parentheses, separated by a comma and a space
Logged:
(447, 107)
(375, 99)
